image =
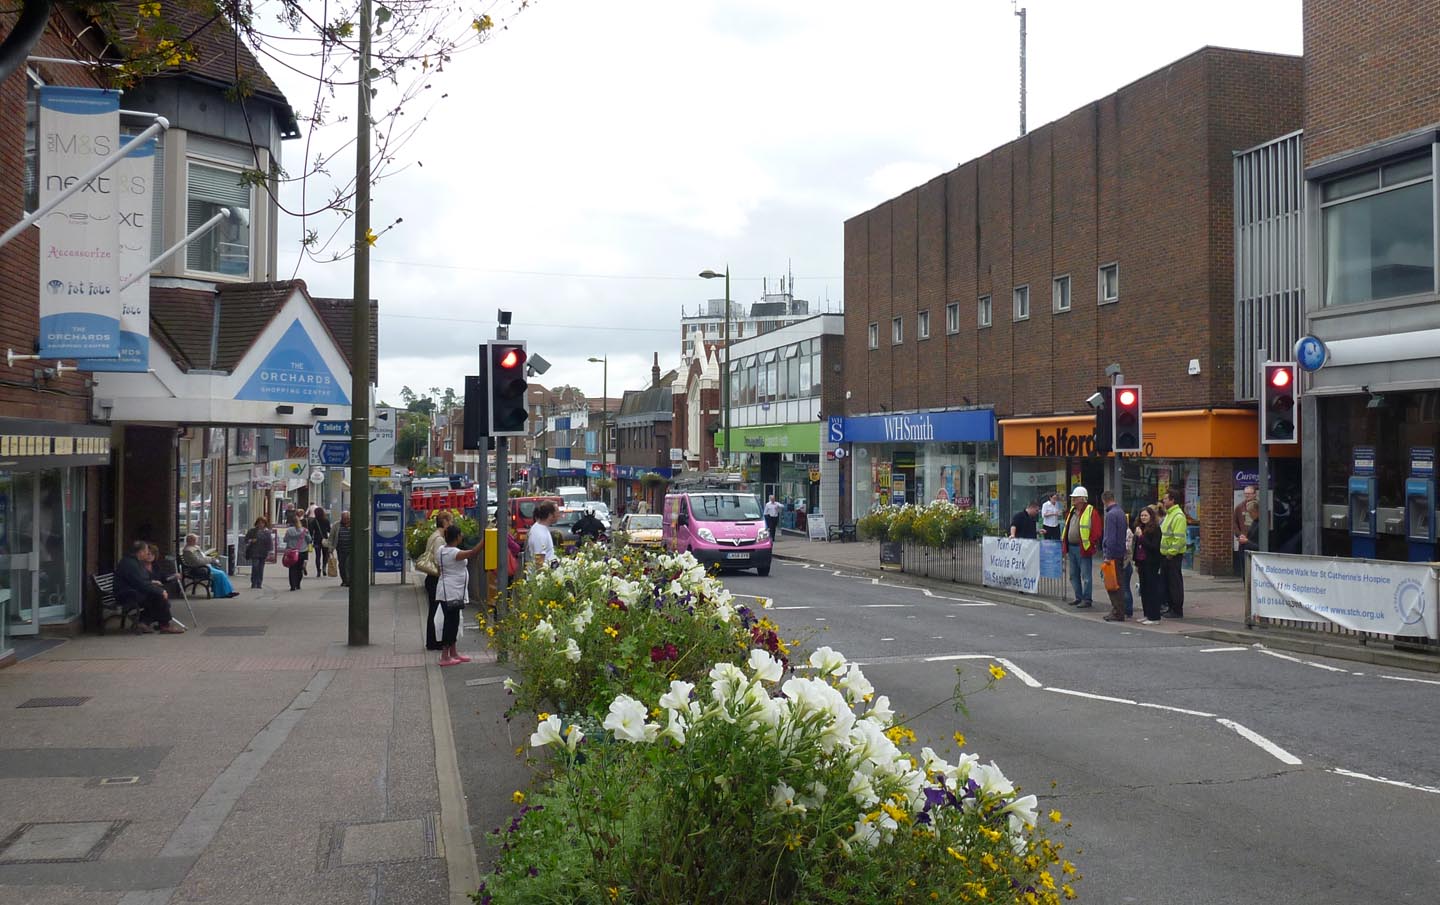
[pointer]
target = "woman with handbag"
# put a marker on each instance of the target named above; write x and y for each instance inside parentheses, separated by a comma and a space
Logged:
(320, 534)
(297, 539)
(429, 564)
(258, 541)
(452, 591)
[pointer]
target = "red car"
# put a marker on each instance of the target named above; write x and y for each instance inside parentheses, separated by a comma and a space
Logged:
(522, 511)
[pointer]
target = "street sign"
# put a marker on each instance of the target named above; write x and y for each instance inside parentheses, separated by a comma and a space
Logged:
(317, 476)
(380, 471)
(331, 429)
(382, 436)
(333, 453)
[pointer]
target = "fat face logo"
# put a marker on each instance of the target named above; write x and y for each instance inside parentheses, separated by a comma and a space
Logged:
(1064, 443)
(55, 287)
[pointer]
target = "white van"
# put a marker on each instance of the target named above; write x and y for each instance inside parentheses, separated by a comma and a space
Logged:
(574, 497)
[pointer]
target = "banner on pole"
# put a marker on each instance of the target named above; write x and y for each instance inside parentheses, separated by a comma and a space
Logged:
(79, 266)
(1011, 563)
(1387, 598)
(134, 176)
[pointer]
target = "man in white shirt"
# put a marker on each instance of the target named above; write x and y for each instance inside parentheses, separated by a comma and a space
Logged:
(1050, 515)
(772, 518)
(539, 541)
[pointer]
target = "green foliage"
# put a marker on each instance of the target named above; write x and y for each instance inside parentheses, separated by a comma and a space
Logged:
(936, 525)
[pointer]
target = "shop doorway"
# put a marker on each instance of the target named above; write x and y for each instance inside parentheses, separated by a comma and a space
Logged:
(902, 478)
(40, 522)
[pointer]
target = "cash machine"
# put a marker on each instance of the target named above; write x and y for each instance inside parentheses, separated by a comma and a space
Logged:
(1362, 516)
(1420, 505)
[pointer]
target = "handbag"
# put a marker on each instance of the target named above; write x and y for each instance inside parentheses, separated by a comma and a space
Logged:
(1110, 571)
(291, 558)
(325, 542)
(426, 564)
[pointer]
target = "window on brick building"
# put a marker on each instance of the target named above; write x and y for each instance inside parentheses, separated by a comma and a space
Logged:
(1021, 297)
(986, 311)
(952, 317)
(922, 325)
(1060, 293)
(1379, 232)
(1109, 287)
(873, 340)
(897, 330)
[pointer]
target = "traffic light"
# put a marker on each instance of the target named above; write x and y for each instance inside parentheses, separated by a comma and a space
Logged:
(1278, 414)
(1104, 421)
(508, 406)
(477, 412)
(1127, 413)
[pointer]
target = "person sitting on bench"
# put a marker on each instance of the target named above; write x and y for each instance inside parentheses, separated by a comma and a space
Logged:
(136, 586)
(194, 558)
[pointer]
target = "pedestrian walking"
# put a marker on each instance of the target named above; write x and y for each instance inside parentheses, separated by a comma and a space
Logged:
(259, 543)
(1172, 553)
(1050, 515)
(343, 543)
(1113, 549)
(433, 543)
(1023, 524)
(1079, 541)
(1149, 565)
(320, 536)
(296, 542)
(772, 518)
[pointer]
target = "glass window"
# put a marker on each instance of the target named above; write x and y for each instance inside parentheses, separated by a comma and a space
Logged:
(1379, 233)
(922, 325)
(952, 317)
(225, 249)
(1060, 293)
(1021, 296)
(793, 387)
(1109, 287)
(985, 311)
(816, 372)
(804, 388)
(873, 337)
(897, 329)
(772, 381)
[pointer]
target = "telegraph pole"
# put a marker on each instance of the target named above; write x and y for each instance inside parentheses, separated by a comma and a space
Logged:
(359, 635)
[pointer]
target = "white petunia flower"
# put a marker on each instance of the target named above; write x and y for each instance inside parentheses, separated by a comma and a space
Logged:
(827, 661)
(814, 796)
(510, 685)
(765, 667)
(866, 834)
(782, 799)
(725, 611)
(862, 790)
(726, 680)
(856, 685)
(582, 618)
(547, 733)
(626, 720)
(880, 712)
(572, 650)
(991, 781)
(1022, 808)
(573, 737)
(675, 728)
(678, 697)
(543, 631)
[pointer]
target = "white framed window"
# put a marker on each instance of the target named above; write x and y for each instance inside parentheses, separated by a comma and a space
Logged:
(897, 330)
(1109, 283)
(986, 311)
(952, 317)
(922, 325)
(1060, 293)
(873, 339)
(226, 249)
(1378, 228)
(1021, 297)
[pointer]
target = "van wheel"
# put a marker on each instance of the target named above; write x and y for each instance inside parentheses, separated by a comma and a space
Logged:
(762, 571)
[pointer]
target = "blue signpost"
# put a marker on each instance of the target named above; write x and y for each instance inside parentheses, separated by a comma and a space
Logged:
(389, 532)
(335, 454)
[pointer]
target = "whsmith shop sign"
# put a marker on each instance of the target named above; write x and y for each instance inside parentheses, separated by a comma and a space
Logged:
(972, 425)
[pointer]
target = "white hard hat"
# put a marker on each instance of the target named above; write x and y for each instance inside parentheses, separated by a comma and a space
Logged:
(1080, 491)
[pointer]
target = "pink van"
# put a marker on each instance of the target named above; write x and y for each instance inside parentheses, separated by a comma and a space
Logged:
(717, 527)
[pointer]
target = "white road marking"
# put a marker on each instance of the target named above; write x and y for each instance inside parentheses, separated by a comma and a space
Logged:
(1093, 697)
(1220, 650)
(1183, 710)
(1032, 634)
(1409, 679)
(1020, 674)
(819, 618)
(887, 639)
(951, 616)
(1255, 738)
(948, 657)
(937, 637)
(1389, 782)
(1279, 656)
(792, 608)
(886, 606)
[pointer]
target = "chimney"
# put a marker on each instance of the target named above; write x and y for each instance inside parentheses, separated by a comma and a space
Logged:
(655, 371)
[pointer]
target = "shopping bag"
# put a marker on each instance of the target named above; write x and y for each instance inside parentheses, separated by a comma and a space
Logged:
(290, 558)
(1110, 571)
(333, 569)
(439, 621)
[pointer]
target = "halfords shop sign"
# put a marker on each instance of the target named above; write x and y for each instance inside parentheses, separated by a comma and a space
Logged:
(976, 425)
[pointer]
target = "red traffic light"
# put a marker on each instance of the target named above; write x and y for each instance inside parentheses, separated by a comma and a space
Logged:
(1280, 377)
(512, 359)
(1127, 397)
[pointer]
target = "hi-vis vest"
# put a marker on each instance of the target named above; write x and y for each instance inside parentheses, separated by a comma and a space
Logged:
(1172, 532)
(1087, 535)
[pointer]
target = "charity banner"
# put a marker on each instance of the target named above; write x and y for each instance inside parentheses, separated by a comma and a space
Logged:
(1387, 598)
(79, 262)
(133, 187)
(1011, 563)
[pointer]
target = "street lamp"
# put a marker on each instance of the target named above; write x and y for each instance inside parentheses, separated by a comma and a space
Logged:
(604, 361)
(725, 364)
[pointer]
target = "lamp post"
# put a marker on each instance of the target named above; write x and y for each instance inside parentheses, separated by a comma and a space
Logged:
(604, 362)
(725, 363)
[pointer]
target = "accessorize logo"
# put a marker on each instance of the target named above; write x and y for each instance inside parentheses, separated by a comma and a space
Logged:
(1410, 602)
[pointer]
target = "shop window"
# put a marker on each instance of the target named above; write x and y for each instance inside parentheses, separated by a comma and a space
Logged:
(1379, 232)
(1109, 283)
(1021, 297)
(952, 317)
(922, 325)
(225, 249)
(873, 337)
(1060, 293)
(897, 330)
(985, 311)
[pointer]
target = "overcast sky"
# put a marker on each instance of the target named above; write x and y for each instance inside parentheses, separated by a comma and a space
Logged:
(594, 157)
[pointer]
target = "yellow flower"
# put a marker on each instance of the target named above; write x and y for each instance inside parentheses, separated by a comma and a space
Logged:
(996, 672)
(1055, 817)
(520, 751)
(518, 797)
(149, 10)
(988, 860)
(370, 236)
(954, 854)
(611, 631)
(543, 716)
(614, 891)
(959, 739)
(1068, 890)
(482, 24)
(1067, 868)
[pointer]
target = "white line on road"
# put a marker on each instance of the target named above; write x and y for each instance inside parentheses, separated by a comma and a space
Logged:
(1093, 697)
(887, 639)
(1279, 656)
(792, 608)
(1250, 735)
(1389, 782)
(948, 657)
(1020, 674)
(1409, 679)
(1220, 650)
(886, 606)
(1174, 709)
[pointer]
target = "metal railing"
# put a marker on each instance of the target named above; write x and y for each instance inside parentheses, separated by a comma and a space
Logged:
(963, 563)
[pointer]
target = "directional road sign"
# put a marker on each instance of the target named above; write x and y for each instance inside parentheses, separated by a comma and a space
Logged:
(332, 453)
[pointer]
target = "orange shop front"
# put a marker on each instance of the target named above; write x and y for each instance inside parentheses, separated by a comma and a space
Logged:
(1206, 455)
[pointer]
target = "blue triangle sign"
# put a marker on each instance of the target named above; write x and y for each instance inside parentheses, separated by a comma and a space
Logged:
(293, 371)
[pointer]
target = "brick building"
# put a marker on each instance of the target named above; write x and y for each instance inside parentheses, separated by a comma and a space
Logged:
(984, 306)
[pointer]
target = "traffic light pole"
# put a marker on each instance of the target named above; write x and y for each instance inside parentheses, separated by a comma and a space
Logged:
(502, 523)
(1115, 380)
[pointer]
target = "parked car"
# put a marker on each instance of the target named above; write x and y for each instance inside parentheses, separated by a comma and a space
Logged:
(725, 529)
(522, 511)
(574, 496)
(643, 530)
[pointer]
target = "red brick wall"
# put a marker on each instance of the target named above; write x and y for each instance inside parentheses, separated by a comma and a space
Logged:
(1142, 177)
(1372, 71)
(65, 398)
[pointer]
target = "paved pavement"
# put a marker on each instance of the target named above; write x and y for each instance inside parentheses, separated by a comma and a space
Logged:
(255, 758)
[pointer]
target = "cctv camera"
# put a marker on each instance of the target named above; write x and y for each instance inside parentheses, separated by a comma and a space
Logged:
(1096, 400)
(538, 365)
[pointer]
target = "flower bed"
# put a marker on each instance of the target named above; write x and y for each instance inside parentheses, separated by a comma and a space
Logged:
(936, 524)
(729, 774)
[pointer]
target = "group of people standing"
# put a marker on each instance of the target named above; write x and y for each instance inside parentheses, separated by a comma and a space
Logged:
(304, 533)
(1152, 545)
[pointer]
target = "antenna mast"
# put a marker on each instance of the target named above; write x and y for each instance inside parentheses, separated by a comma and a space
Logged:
(1021, 13)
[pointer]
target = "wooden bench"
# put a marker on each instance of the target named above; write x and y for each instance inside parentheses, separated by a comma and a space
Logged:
(193, 577)
(109, 606)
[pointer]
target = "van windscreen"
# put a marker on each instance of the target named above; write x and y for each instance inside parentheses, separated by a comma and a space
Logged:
(731, 507)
